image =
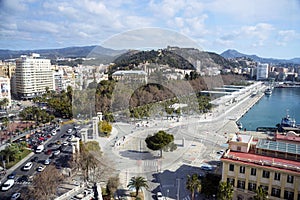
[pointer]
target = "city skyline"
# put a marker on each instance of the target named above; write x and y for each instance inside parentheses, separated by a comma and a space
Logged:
(263, 28)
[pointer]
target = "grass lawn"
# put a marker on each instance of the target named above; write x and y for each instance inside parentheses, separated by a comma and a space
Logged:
(93, 146)
(19, 157)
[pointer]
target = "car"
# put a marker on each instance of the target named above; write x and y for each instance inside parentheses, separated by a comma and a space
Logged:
(15, 196)
(7, 184)
(40, 149)
(76, 126)
(69, 130)
(53, 132)
(49, 152)
(35, 159)
(159, 196)
(50, 144)
(58, 142)
(23, 179)
(220, 152)
(12, 176)
(65, 143)
(206, 167)
(41, 168)
(57, 152)
(27, 166)
(47, 161)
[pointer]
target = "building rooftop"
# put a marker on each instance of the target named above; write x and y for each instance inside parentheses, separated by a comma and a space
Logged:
(260, 160)
(241, 138)
(278, 146)
(130, 72)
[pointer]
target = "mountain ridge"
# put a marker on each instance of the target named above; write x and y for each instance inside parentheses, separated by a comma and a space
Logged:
(232, 53)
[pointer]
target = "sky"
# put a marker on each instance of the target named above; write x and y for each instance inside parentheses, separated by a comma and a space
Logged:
(266, 28)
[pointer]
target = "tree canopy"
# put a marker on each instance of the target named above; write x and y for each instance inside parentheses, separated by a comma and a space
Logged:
(193, 184)
(225, 191)
(159, 140)
(137, 183)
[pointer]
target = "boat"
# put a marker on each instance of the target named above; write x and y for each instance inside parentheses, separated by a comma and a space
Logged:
(268, 91)
(288, 121)
(240, 125)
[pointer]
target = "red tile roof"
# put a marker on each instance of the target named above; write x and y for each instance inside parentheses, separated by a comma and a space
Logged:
(260, 160)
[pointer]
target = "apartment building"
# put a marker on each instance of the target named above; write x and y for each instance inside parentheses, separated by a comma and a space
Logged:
(33, 75)
(262, 72)
(5, 90)
(273, 164)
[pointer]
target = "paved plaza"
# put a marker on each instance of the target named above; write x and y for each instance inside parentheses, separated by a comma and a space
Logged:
(198, 139)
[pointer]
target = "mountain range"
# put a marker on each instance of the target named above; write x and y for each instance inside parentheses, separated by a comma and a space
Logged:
(111, 54)
(231, 53)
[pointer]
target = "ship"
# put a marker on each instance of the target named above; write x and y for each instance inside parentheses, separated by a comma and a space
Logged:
(288, 121)
(268, 91)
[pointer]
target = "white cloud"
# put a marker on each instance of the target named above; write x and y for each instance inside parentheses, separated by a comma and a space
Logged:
(285, 36)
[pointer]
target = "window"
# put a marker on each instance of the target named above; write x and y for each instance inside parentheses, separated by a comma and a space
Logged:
(266, 174)
(230, 181)
(231, 167)
(239, 148)
(252, 186)
(253, 172)
(290, 179)
(277, 176)
(241, 184)
(288, 195)
(265, 188)
(275, 192)
(242, 169)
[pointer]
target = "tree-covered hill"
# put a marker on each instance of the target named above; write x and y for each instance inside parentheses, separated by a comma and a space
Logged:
(132, 59)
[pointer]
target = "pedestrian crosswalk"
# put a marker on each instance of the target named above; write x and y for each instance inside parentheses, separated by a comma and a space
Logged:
(187, 198)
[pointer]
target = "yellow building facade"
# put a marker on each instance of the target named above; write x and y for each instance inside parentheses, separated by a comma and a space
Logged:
(247, 165)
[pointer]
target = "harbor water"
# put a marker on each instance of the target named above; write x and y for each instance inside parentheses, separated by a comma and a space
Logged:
(269, 110)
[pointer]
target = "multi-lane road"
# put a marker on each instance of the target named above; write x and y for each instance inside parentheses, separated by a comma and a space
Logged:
(56, 142)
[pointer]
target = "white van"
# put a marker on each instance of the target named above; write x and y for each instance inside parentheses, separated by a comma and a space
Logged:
(40, 149)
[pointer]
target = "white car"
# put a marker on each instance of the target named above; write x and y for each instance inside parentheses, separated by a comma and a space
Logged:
(41, 168)
(57, 152)
(65, 143)
(53, 132)
(159, 196)
(27, 166)
(69, 130)
(15, 196)
(47, 161)
(8, 184)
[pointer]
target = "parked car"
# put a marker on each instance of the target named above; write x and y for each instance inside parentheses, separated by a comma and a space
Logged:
(47, 162)
(57, 152)
(12, 175)
(159, 196)
(7, 184)
(35, 159)
(15, 196)
(27, 166)
(49, 152)
(41, 168)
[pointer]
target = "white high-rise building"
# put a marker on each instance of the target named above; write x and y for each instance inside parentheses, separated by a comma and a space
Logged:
(262, 72)
(33, 75)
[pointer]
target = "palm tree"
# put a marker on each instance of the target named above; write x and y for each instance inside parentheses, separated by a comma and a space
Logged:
(261, 194)
(193, 184)
(137, 183)
(225, 191)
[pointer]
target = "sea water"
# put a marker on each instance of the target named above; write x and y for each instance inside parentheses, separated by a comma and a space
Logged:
(269, 110)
